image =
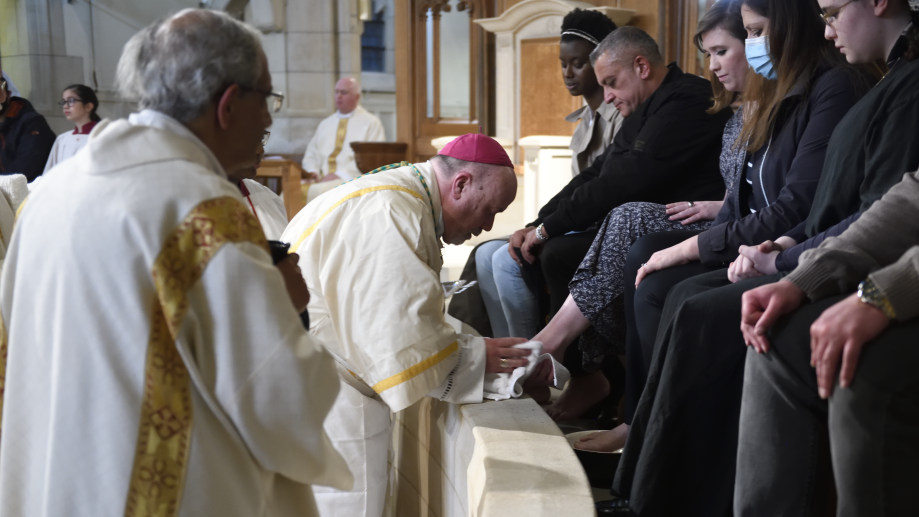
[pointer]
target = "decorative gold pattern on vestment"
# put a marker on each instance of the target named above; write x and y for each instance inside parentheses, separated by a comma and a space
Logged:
(339, 143)
(164, 434)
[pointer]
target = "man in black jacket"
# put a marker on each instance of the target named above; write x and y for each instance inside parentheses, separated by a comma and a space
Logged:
(25, 137)
(667, 150)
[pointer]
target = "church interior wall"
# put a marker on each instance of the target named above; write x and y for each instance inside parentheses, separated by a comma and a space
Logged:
(47, 44)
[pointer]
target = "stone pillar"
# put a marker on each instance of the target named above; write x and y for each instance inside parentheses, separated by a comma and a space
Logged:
(34, 55)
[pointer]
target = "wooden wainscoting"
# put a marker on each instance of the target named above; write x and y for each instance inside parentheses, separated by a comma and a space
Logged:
(544, 100)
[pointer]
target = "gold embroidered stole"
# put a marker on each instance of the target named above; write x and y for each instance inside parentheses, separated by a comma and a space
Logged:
(339, 142)
(164, 434)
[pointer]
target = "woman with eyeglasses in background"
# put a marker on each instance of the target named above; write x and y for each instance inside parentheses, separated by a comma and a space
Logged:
(79, 103)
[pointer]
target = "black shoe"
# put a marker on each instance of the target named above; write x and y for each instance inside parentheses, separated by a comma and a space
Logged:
(613, 507)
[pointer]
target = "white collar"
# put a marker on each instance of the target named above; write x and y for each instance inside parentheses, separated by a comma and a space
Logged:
(159, 120)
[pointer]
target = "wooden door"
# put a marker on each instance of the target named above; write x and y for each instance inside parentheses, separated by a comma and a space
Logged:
(544, 100)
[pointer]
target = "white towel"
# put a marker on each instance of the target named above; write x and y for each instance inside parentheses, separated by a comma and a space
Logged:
(502, 386)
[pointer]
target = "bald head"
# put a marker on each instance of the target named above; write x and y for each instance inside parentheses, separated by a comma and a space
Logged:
(347, 94)
(471, 195)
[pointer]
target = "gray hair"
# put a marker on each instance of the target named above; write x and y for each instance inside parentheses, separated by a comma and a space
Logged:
(177, 65)
(625, 44)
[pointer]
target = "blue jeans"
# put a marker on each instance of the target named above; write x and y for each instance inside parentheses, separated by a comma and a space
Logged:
(513, 309)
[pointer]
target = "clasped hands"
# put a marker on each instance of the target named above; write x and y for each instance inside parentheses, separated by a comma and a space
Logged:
(758, 260)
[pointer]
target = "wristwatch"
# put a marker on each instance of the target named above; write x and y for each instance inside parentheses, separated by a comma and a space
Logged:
(869, 293)
(541, 233)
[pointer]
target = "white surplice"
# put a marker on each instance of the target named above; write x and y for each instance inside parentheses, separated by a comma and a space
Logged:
(78, 300)
(268, 208)
(66, 145)
(370, 254)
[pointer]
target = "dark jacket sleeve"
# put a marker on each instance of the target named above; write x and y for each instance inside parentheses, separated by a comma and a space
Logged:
(582, 178)
(794, 177)
(788, 259)
(880, 245)
(33, 145)
(674, 155)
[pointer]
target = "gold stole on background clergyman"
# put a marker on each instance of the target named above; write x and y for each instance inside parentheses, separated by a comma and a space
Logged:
(164, 434)
(339, 143)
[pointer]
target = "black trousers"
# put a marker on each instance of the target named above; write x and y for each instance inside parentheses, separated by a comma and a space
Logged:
(559, 259)
(680, 455)
(643, 307)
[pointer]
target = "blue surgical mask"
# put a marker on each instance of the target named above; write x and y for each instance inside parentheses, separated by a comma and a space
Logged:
(757, 50)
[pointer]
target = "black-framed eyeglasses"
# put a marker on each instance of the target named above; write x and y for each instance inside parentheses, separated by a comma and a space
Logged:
(265, 138)
(276, 99)
(829, 14)
(68, 102)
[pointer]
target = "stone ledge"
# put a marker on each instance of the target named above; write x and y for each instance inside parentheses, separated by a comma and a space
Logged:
(490, 459)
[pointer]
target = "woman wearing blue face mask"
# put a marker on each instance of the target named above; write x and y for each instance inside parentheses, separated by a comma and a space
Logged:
(757, 50)
(682, 445)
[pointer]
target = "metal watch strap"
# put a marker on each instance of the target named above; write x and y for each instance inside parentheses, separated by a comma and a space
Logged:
(869, 293)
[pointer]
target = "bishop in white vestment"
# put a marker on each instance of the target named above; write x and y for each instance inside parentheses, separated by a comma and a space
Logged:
(370, 253)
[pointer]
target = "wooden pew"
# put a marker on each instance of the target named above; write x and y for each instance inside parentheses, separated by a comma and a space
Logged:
(283, 176)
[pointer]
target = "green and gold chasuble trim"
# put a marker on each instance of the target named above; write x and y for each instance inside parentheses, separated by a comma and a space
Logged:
(164, 434)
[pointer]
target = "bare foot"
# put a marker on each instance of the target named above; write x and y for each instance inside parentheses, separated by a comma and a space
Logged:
(605, 441)
(581, 394)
